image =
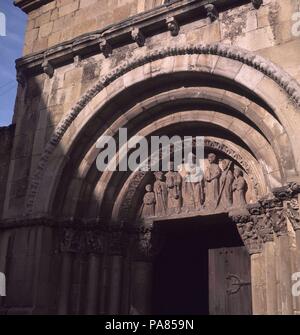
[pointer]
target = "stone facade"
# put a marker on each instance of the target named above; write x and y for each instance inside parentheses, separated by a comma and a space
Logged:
(91, 67)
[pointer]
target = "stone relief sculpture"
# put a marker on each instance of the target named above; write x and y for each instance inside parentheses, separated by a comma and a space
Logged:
(239, 188)
(148, 208)
(226, 181)
(174, 182)
(192, 185)
(161, 195)
(187, 193)
(192, 190)
(196, 178)
(212, 178)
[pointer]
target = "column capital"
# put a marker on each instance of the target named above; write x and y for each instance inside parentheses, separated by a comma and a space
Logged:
(275, 213)
(116, 243)
(247, 230)
(81, 241)
(147, 243)
(250, 237)
(264, 226)
(293, 213)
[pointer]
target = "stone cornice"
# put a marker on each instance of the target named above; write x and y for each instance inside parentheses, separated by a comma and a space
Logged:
(148, 23)
(28, 5)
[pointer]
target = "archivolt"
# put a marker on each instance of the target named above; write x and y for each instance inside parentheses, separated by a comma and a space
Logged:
(285, 81)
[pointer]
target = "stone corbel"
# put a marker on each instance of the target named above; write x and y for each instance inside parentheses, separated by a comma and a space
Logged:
(105, 47)
(257, 3)
(212, 12)
(21, 79)
(138, 37)
(77, 60)
(48, 68)
(173, 26)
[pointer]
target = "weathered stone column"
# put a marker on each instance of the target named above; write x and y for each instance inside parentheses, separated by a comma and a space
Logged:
(146, 247)
(95, 249)
(66, 248)
(294, 217)
(253, 243)
(116, 253)
(264, 227)
(280, 227)
(141, 292)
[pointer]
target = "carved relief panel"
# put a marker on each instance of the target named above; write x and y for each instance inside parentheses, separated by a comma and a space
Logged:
(222, 186)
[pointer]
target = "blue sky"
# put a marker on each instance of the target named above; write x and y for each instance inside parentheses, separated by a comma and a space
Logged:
(10, 48)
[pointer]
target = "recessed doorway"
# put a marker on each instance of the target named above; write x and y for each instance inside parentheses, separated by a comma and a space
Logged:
(202, 269)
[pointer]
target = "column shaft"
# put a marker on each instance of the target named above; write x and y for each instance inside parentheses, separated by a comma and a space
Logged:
(258, 278)
(115, 289)
(65, 284)
(141, 292)
(271, 288)
(92, 297)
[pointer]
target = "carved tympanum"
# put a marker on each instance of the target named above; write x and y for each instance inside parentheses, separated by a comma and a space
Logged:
(219, 187)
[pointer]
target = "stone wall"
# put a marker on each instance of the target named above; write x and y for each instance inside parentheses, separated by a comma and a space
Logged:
(45, 100)
(63, 20)
(6, 140)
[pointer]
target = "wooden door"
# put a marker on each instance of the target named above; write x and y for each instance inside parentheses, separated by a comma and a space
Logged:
(229, 282)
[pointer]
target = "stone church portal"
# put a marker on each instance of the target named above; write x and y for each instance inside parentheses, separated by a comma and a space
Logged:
(220, 236)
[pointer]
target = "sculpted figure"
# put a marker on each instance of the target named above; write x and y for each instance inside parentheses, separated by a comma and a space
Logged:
(174, 182)
(188, 198)
(148, 208)
(226, 180)
(161, 195)
(193, 185)
(212, 176)
(239, 188)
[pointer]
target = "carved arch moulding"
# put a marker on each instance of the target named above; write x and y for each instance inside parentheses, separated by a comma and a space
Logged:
(282, 79)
